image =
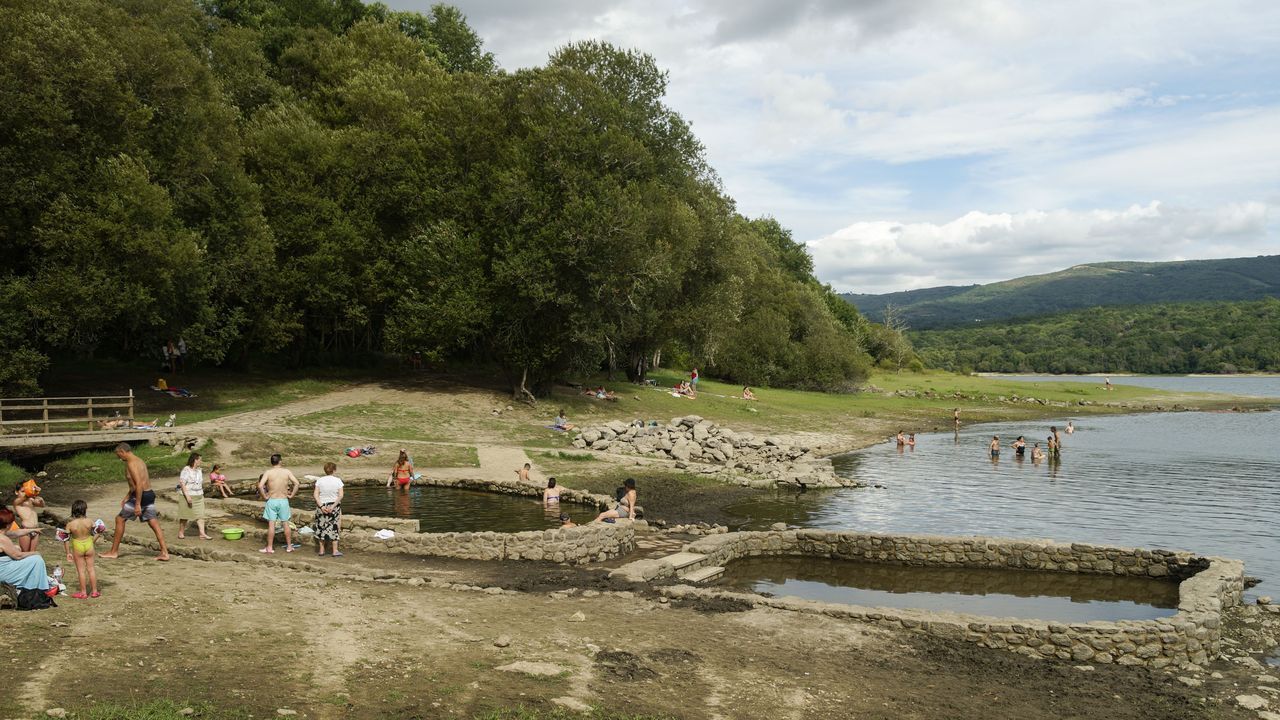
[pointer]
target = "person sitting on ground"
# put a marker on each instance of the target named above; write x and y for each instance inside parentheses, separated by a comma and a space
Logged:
(80, 549)
(402, 473)
(566, 521)
(562, 422)
(747, 394)
(327, 521)
(219, 480)
(522, 474)
(26, 500)
(1036, 453)
(625, 506)
(24, 569)
(552, 493)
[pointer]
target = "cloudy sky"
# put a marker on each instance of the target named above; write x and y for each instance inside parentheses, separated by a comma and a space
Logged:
(914, 143)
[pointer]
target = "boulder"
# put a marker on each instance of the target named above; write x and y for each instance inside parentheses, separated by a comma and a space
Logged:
(590, 435)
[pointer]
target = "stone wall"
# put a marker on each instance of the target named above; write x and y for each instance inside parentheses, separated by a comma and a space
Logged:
(1191, 636)
(244, 488)
(692, 442)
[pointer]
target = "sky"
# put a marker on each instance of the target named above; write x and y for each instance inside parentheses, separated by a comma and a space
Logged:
(914, 143)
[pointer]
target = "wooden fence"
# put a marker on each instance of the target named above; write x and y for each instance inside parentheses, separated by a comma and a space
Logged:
(60, 415)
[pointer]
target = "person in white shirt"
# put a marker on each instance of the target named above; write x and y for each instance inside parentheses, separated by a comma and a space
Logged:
(327, 521)
(191, 485)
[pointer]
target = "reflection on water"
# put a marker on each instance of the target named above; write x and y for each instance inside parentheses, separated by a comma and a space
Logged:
(1064, 597)
(1204, 482)
(450, 509)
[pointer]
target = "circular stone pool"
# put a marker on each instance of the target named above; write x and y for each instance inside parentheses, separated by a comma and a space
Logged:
(442, 510)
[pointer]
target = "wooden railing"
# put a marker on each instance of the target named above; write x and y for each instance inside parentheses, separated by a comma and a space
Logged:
(24, 414)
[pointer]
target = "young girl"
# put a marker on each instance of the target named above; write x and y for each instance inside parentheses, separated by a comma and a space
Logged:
(219, 480)
(80, 549)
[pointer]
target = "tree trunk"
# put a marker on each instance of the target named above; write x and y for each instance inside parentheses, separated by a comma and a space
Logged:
(522, 393)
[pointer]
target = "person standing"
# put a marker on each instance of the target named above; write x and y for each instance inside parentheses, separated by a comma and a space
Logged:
(402, 472)
(181, 363)
(138, 504)
(995, 446)
(191, 485)
(955, 416)
(278, 486)
(693, 380)
(327, 521)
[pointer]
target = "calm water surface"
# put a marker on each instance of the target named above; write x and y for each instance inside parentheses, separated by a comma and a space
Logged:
(1204, 482)
(999, 593)
(451, 509)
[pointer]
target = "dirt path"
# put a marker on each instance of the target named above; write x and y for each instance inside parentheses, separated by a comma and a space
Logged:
(325, 643)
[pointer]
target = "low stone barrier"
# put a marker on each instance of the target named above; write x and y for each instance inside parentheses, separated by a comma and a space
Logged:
(242, 488)
(694, 442)
(1191, 636)
(594, 542)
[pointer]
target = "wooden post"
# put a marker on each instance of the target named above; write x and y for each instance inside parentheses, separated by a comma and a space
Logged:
(90, 414)
(130, 407)
(45, 403)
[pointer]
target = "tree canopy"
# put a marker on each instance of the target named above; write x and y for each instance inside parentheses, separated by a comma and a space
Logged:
(328, 180)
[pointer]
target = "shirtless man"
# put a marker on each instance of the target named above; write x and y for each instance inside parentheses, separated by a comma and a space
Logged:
(955, 416)
(522, 474)
(277, 485)
(138, 504)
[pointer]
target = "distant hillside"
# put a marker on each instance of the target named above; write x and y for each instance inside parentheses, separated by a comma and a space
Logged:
(1209, 337)
(1083, 286)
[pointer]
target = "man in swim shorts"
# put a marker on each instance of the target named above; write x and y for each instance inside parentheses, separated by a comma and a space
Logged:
(277, 485)
(138, 504)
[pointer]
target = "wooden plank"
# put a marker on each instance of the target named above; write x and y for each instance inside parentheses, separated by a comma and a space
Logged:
(50, 421)
(81, 406)
(4, 401)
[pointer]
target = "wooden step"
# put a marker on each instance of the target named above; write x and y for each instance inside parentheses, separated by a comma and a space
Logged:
(683, 560)
(703, 574)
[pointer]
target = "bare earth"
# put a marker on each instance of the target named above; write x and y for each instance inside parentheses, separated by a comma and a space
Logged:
(324, 638)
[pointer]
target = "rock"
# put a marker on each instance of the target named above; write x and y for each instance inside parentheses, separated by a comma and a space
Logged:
(590, 593)
(1251, 702)
(1189, 682)
(502, 641)
(571, 703)
(1268, 715)
(1264, 599)
(286, 712)
(590, 435)
(778, 527)
(187, 711)
(1084, 668)
(56, 712)
(578, 617)
(536, 669)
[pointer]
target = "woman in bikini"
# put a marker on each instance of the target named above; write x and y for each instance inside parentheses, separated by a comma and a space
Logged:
(551, 495)
(402, 473)
(625, 507)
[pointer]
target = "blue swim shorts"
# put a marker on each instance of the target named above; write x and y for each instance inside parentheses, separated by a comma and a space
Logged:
(277, 509)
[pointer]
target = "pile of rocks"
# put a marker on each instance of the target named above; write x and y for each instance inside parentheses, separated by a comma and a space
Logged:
(691, 440)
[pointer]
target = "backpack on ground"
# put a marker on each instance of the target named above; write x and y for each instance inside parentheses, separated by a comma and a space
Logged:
(33, 599)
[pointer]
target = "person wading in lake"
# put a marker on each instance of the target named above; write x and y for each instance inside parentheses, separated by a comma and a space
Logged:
(1019, 448)
(1057, 438)
(138, 504)
(402, 473)
(955, 416)
(1052, 445)
(995, 446)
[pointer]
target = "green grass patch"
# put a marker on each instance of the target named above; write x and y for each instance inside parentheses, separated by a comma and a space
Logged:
(102, 466)
(569, 456)
(158, 710)
(10, 474)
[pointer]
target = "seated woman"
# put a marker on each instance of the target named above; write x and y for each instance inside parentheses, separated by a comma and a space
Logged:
(625, 507)
(562, 422)
(552, 493)
(21, 569)
(747, 394)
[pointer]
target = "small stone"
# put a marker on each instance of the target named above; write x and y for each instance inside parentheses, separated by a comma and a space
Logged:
(1189, 682)
(187, 711)
(1084, 668)
(590, 593)
(1215, 675)
(663, 601)
(502, 641)
(285, 712)
(571, 703)
(161, 638)
(1268, 715)
(778, 527)
(537, 669)
(1251, 702)
(578, 617)
(56, 712)
(1264, 599)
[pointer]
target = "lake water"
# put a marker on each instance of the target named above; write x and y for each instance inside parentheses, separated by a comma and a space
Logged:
(1198, 481)
(451, 509)
(999, 593)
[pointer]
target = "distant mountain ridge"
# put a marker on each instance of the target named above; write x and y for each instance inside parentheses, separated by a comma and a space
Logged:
(1082, 286)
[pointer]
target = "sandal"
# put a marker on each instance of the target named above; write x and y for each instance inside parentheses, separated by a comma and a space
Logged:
(337, 554)
(79, 596)
(95, 594)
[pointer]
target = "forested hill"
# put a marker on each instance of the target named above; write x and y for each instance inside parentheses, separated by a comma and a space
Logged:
(329, 181)
(1096, 284)
(1212, 337)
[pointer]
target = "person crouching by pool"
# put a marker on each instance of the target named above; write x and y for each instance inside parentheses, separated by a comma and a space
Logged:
(551, 494)
(995, 446)
(278, 486)
(626, 504)
(402, 473)
(327, 520)
(566, 521)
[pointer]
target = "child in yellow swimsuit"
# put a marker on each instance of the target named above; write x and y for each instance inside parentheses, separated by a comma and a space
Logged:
(80, 548)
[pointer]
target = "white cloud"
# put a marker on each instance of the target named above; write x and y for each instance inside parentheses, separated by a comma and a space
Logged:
(978, 247)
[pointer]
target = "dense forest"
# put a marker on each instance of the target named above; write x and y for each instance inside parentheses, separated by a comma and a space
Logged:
(1082, 286)
(1221, 337)
(328, 181)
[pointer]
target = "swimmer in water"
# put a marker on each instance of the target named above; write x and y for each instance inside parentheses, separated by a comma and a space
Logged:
(1071, 428)
(995, 446)
(911, 441)
(902, 440)
(1037, 454)
(1019, 447)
